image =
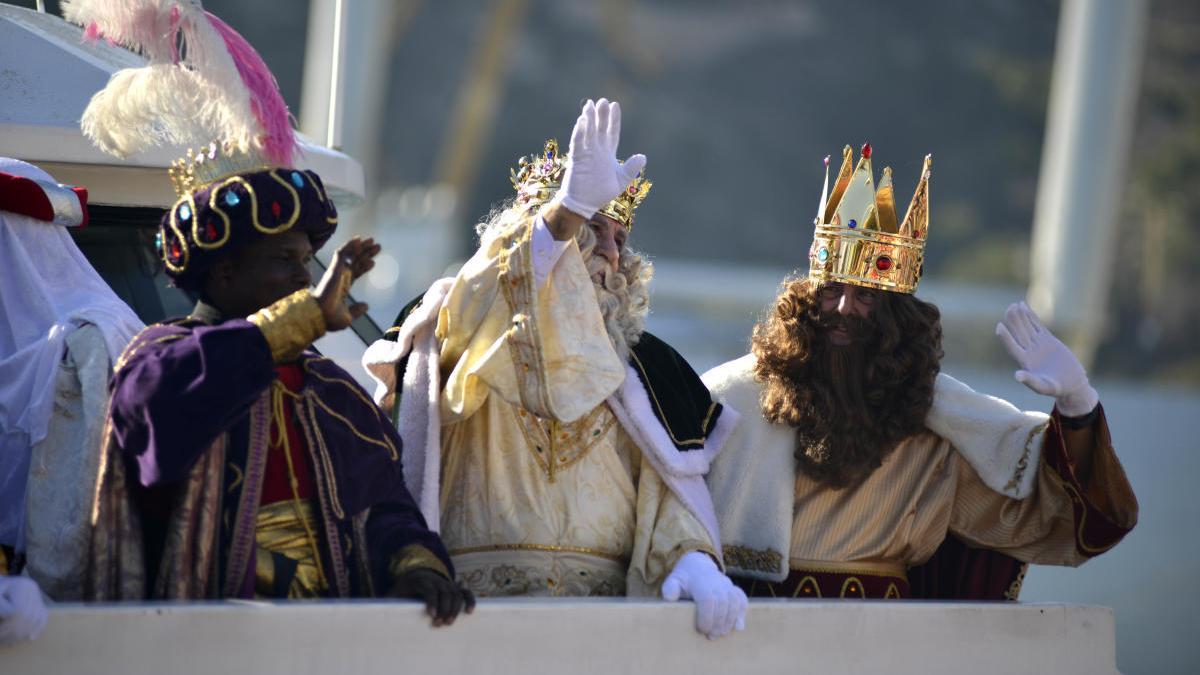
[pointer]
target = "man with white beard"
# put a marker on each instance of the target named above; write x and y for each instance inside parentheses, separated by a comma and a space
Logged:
(560, 447)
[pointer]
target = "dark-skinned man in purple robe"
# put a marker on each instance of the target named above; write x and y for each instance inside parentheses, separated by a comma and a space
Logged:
(240, 463)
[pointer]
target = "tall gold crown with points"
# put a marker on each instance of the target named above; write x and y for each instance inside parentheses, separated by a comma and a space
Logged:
(858, 240)
(205, 165)
(538, 177)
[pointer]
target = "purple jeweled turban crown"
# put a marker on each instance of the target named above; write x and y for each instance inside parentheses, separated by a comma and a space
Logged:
(226, 214)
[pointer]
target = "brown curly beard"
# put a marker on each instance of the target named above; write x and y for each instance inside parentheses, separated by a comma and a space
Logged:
(852, 404)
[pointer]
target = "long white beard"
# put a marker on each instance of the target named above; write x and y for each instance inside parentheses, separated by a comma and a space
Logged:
(613, 296)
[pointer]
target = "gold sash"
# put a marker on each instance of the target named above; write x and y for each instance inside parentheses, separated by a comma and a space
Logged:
(283, 528)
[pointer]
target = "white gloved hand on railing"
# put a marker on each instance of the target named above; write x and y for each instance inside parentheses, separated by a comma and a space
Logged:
(594, 177)
(720, 606)
(22, 612)
(1047, 366)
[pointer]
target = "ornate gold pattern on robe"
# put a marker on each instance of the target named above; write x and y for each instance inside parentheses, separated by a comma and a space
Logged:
(543, 492)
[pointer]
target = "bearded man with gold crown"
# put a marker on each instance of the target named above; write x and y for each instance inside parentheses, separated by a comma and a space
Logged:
(560, 446)
(860, 470)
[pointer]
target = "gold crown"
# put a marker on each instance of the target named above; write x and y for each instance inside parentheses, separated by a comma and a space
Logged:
(208, 164)
(538, 177)
(858, 240)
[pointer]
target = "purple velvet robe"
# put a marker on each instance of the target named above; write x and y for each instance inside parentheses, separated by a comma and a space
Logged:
(190, 397)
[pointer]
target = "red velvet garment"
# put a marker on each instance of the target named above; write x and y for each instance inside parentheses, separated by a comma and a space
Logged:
(276, 481)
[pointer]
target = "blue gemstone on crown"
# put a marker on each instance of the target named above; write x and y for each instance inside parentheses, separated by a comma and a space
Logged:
(852, 224)
(231, 198)
(297, 179)
(158, 241)
(185, 212)
(823, 254)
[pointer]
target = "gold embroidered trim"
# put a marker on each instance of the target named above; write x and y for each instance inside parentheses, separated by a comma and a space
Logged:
(571, 436)
(862, 592)
(322, 451)
(545, 548)
(237, 478)
(135, 347)
(880, 569)
(290, 324)
(179, 236)
(892, 592)
(303, 511)
(337, 380)
(800, 587)
(415, 556)
(758, 560)
(1023, 463)
(1014, 589)
(524, 337)
(386, 443)
(662, 417)
(1083, 545)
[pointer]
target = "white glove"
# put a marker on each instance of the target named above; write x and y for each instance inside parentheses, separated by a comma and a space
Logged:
(22, 612)
(594, 177)
(720, 606)
(1047, 366)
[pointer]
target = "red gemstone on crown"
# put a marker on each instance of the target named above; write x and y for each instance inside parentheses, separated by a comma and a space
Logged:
(176, 251)
(866, 151)
(210, 231)
(883, 263)
(276, 208)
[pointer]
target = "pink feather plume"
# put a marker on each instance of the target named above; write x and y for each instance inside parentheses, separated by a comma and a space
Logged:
(279, 140)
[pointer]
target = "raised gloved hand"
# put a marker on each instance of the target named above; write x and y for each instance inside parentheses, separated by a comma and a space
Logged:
(720, 606)
(594, 177)
(1046, 365)
(22, 612)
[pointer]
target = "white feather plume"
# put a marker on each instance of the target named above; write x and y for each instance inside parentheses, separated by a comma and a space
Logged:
(190, 91)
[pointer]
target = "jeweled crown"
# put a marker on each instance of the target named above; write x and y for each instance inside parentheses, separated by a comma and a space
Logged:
(205, 165)
(858, 239)
(538, 177)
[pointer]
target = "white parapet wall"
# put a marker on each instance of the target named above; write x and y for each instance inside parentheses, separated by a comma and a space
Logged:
(581, 637)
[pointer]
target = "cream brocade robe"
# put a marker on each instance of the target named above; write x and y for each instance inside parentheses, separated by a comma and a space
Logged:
(543, 492)
(977, 472)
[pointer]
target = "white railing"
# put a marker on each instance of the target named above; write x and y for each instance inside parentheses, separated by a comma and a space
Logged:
(569, 636)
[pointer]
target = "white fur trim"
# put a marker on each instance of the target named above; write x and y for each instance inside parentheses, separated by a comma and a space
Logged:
(1002, 443)
(752, 482)
(636, 402)
(419, 418)
(683, 472)
(382, 356)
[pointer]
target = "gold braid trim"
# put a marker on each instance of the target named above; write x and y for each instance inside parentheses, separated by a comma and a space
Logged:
(1014, 589)
(757, 560)
(290, 324)
(1022, 464)
(415, 556)
(543, 548)
(303, 514)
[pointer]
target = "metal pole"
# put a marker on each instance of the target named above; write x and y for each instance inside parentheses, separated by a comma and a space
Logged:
(1093, 95)
(333, 130)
